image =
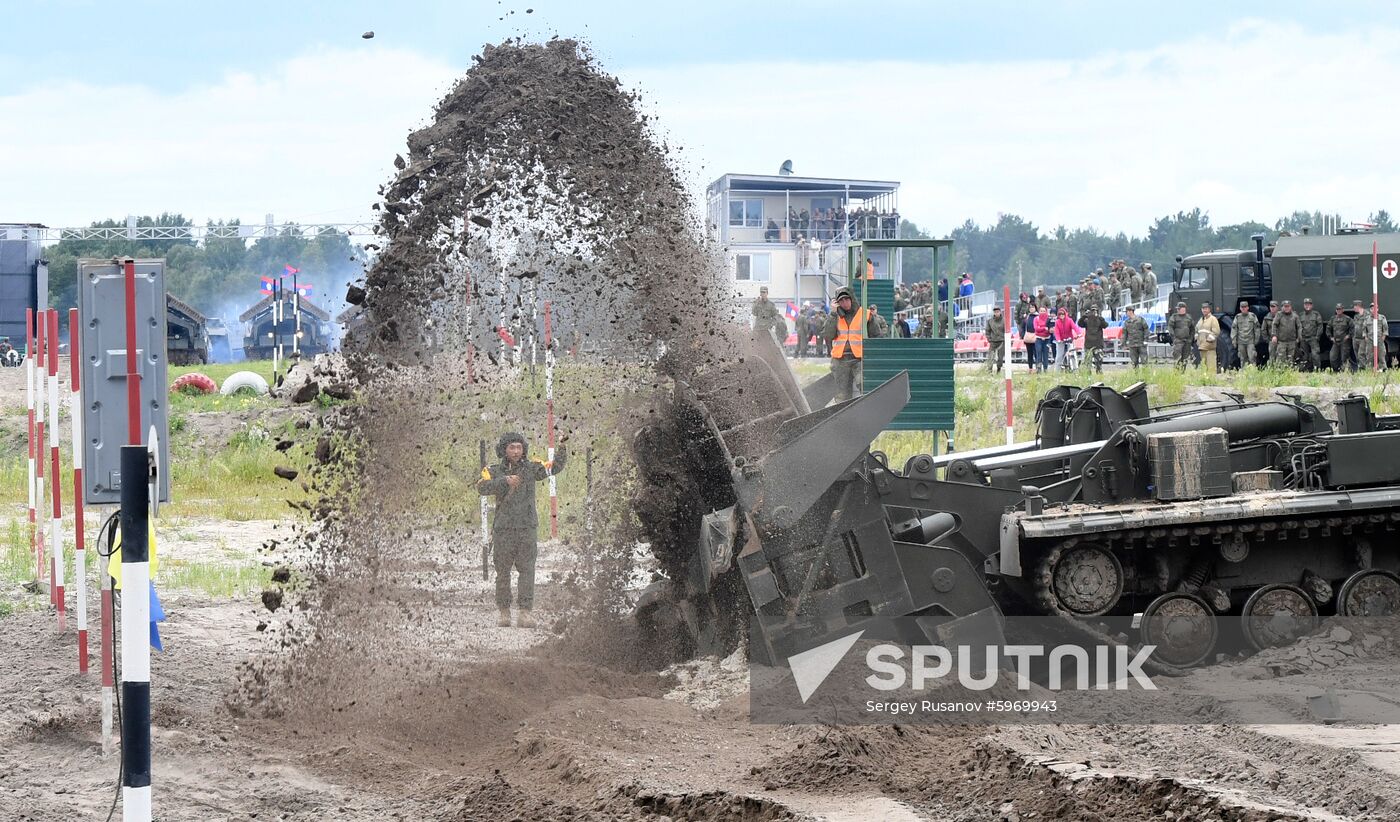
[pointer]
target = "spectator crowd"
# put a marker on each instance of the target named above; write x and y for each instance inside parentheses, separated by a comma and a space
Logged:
(834, 223)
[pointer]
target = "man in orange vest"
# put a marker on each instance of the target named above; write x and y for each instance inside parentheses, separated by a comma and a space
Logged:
(847, 329)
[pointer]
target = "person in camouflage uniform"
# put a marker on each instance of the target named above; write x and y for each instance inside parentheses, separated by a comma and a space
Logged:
(1135, 333)
(1365, 335)
(1266, 328)
(1339, 332)
(766, 316)
(1093, 324)
(1023, 309)
(1134, 283)
(996, 337)
(1149, 282)
(1287, 331)
(1071, 302)
(1311, 323)
(515, 526)
(1181, 328)
(1244, 333)
(1113, 295)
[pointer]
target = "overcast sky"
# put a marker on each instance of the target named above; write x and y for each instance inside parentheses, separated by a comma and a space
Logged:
(1075, 113)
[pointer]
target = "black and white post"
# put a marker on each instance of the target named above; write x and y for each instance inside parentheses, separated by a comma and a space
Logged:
(135, 633)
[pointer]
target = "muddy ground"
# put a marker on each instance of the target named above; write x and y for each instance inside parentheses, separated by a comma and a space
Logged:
(492, 725)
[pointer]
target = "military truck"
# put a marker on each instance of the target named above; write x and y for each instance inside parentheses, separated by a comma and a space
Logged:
(186, 333)
(1329, 269)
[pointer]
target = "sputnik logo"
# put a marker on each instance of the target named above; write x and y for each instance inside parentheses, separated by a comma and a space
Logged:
(811, 667)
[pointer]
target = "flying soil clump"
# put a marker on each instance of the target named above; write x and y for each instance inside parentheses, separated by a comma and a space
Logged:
(537, 180)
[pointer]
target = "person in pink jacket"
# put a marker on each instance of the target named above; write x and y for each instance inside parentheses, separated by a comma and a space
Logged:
(1065, 330)
(1042, 325)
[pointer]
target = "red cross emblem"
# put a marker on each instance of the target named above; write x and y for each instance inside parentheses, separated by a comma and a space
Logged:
(1388, 269)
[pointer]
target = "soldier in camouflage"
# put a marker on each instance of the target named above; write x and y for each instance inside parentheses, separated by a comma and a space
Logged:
(1368, 333)
(514, 528)
(1135, 337)
(1266, 328)
(1180, 328)
(996, 336)
(1311, 323)
(765, 314)
(1245, 335)
(1113, 294)
(1149, 282)
(1287, 331)
(1134, 283)
(1093, 324)
(1339, 332)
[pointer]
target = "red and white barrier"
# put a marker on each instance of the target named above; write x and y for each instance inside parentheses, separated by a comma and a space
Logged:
(56, 524)
(39, 360)
(30, 344)
(75, 415)
(549, 421)
(1006, 364)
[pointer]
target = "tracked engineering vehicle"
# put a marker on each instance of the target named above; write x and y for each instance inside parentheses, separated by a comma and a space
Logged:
(1180, 513)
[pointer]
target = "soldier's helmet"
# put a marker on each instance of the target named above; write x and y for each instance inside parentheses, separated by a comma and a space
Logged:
(1307, 301)
(1287, 303)
(1147, 266)
(1181, 305)
(1341, 307)
(1273, 303)
(1356, 302)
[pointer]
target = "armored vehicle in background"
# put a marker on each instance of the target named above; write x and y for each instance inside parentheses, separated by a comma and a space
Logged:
(186, 333)
(264, 334)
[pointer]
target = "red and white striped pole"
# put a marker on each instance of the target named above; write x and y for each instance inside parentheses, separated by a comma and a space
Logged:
(1006, 347)
(1376, 309)
(56, 525)
(30, 343)
(39, 368)
(75, 421)
(549, 421)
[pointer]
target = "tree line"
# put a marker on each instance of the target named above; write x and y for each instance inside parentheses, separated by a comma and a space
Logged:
(220, 278)
(1014, 251)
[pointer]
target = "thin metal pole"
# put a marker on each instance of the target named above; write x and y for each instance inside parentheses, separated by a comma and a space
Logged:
(1006, 363)
(30, 344)
(40, 354)
(1375, 309)
(75, 414)
(56, 524)
(485, 534)
(549, 422)
(136, 579)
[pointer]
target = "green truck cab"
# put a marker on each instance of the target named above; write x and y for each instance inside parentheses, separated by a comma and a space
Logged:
(1328, 269)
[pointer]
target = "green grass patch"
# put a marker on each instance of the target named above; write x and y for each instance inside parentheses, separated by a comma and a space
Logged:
(220, 580)
(182, 402)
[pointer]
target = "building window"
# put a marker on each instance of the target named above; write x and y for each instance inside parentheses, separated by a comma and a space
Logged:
(1344, 270)
(753, 267)
(746, 213)
(1312, 269)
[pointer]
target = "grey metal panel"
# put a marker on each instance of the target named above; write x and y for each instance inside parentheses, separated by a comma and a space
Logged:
(102, 315)
(19, 281)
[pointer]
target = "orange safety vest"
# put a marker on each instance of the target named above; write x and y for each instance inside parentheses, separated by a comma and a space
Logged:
(870, 270)
(852, 333)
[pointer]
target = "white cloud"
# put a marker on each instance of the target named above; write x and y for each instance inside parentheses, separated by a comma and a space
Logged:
(310, 139)
(1252, 122)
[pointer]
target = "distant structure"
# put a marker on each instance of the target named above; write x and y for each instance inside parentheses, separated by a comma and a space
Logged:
(24, 278)
(790, 233)
(262, 336)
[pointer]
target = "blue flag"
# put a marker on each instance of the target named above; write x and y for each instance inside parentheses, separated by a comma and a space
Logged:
(157, 615)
